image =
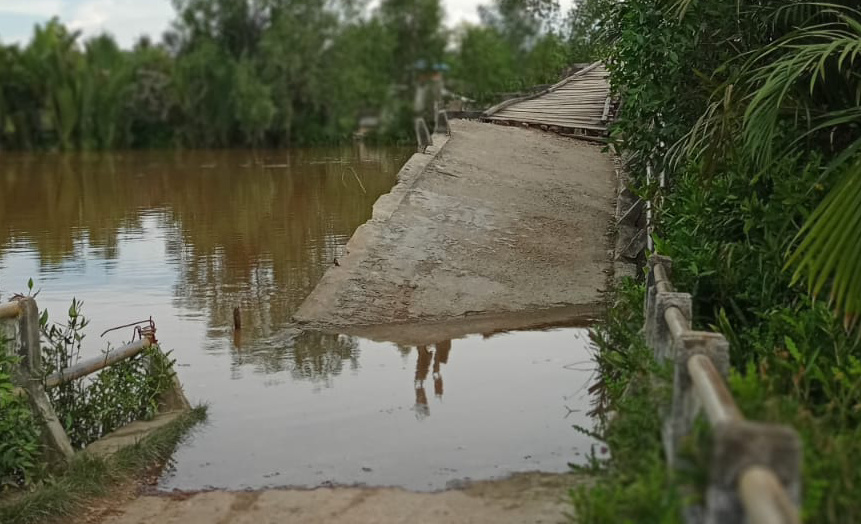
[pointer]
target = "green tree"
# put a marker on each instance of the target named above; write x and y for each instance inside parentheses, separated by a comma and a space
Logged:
(485, 64)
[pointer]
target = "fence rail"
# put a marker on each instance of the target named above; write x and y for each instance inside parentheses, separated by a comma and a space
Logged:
(755, 470)
(86, 367)
(19, 326)
(9, 310)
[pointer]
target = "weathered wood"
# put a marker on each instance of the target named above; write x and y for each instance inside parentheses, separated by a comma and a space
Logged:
(712, 391)
(9, 309)
(576, 103)
(576, 76)
(27, 344)
(764, 499)
(86, 367)
(574, 124)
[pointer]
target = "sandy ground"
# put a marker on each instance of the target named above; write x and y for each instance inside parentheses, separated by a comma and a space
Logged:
(522, 499)
(497, 220)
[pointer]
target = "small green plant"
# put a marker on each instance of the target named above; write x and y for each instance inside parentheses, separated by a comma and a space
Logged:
(634, 485)
(88, 477)
(91, 407)
(20, 449)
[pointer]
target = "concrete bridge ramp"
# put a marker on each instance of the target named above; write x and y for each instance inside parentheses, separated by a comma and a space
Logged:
(499, 221)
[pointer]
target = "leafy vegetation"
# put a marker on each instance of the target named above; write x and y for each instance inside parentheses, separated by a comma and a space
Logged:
(91, 407)
(88, 477)
(19, 433)
(634, 485)
(268, 73)
(88, 408)
(748, 111)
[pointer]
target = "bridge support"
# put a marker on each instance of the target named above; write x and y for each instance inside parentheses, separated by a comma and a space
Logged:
(423, 136)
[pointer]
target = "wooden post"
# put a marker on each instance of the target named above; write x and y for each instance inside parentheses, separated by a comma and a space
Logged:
(686, 403)
(423, 136)
(739, 448)
(441, 125)
(28, 342)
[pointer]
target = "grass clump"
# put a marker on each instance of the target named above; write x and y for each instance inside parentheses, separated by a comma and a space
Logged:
(20, 450)
(87, 477)
(634, 485)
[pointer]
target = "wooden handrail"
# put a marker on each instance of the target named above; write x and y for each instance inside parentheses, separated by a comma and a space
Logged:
(717, 400)
(10, 309)
(760, 493)
(94, 364)
(676, 321)
(765, 501)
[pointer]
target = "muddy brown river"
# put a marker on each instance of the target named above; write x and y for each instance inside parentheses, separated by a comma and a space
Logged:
(185, 237)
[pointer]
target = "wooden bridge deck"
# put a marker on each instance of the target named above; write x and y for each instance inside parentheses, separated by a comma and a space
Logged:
(581, 103)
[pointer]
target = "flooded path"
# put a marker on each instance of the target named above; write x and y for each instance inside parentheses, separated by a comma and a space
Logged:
(188, 236)
(424, 418)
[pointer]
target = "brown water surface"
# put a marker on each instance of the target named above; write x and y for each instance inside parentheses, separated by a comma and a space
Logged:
(188, 236)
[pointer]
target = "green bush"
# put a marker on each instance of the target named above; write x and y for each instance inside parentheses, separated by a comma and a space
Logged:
(750, 114)
(20, 449)
(91, 407)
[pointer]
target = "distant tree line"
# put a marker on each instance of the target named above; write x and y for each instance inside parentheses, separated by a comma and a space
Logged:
(270, 72)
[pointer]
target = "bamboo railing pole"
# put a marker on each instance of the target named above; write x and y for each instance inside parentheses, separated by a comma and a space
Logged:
(94, 364)
(765, 501)
(10, 309)
(712, 391)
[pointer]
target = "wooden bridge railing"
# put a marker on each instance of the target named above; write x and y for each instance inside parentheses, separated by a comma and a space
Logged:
(19, 327)
(755, 470)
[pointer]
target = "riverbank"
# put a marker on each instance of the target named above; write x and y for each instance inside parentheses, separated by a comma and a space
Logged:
(526, 498)
(494, 222)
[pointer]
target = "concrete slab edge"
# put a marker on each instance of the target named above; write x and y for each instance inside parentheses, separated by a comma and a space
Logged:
(320, 299)
(622, 267)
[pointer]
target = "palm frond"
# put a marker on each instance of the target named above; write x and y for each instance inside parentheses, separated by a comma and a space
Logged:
(830, 249)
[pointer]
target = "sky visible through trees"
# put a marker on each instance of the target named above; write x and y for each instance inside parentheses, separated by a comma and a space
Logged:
(234, 73)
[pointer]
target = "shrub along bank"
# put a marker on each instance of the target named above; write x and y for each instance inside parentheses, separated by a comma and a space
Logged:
(88, 408)
(751, 112)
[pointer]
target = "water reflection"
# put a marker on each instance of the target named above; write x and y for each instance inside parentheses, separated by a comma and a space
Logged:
(419, 417)
(215, 229)
(188, 237)
(439, 356)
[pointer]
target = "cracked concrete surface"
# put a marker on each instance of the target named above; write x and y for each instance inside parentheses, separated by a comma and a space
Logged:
(497, 220)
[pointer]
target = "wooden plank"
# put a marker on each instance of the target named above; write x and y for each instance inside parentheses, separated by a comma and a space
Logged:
(553, 111)
(575, 76)
(596, 116)
(572, 124)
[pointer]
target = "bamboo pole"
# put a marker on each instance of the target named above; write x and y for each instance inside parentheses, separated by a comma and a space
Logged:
(716, 398)
(10, 309)
(94, 364)
(765, 501)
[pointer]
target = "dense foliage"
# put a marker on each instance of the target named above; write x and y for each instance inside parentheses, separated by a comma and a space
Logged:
(271, 72)
(749, 112)
(19, 434)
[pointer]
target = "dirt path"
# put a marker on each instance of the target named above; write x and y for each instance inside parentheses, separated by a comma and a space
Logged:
(501, 220)
(522, 499)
